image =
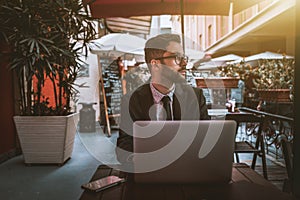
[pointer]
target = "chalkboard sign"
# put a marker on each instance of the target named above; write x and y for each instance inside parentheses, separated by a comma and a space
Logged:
(238, 93)
(207, 95)
(112, 85)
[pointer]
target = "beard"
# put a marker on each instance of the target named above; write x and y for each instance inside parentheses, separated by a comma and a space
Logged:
(169, 76)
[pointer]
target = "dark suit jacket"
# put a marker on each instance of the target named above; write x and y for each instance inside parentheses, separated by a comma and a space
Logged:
(188, 104)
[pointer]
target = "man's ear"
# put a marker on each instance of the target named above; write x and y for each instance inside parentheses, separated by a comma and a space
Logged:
(155, 63)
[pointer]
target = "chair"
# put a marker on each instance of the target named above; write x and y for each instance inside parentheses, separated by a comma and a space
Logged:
(258, 149)
(286, 147)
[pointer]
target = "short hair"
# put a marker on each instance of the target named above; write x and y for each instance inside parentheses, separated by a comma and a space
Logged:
(156, 46)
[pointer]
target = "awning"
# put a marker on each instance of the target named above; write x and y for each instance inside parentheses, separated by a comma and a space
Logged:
(133, 25)
(269, 30)
(129, 8)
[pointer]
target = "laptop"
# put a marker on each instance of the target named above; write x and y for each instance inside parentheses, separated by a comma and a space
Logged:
(198, 151)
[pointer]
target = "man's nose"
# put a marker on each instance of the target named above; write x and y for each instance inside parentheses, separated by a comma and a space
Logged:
(183, 64)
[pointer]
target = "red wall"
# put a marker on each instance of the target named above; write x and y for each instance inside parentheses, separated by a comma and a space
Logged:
(7, 128)
(48, 91)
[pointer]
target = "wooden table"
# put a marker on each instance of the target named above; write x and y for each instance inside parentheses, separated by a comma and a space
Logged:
(245, 184)
(220, 114)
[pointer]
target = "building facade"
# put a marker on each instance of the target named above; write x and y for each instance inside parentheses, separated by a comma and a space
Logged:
(266, 26)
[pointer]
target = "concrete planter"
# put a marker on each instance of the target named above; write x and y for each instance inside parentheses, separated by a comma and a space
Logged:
(275, 95)
(46, 139)
(217, 82)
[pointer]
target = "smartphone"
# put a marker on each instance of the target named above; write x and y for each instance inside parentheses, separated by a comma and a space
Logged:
(103, 183)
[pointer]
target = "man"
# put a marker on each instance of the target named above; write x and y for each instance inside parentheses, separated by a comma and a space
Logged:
(165, 59)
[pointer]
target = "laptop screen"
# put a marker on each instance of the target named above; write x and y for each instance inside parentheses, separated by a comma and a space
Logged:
(183, 151)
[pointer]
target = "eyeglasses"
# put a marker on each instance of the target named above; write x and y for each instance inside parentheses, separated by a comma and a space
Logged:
(178, 58)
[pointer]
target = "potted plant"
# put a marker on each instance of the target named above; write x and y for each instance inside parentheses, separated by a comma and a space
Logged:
(44, 38)
(272, 79)
(275, 80)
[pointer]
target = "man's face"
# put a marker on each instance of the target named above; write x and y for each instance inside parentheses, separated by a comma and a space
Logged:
(174, 49)
(172, 63)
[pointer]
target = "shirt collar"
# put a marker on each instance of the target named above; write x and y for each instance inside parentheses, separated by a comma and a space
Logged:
(157, 96)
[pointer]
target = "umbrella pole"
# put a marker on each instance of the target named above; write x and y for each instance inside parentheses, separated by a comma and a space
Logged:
(182, 24)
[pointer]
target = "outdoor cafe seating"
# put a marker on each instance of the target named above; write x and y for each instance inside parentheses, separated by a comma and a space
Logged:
(245, 182)
(253, 125)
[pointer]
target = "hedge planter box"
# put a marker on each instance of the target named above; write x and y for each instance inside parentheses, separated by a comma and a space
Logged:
(217, 82)
(274, 95)
(46, 139)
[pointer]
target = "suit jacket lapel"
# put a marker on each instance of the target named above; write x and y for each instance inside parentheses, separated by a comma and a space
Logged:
(185, 103)
(176, 108)
(147, 97)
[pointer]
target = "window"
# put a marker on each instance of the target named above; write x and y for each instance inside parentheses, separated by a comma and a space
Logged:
(201, 42)
(209, 34)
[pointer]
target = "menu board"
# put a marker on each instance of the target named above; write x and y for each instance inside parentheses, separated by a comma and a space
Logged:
(207, 95)
(112, 85)
(237, 94)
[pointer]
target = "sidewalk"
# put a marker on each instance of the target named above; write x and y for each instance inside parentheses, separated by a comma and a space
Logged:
(49, 182)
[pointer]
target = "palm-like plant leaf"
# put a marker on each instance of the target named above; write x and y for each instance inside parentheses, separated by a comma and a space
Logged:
(43, 34)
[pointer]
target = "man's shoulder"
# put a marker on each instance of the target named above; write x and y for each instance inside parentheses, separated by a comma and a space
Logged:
(140, 91)
(196, 89)
(188, 87)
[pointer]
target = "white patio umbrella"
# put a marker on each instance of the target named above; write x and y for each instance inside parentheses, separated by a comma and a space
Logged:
(214, 63)
(264, 55)
(226, 58)
(194, 54)
(119, 44)
(209, 65)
